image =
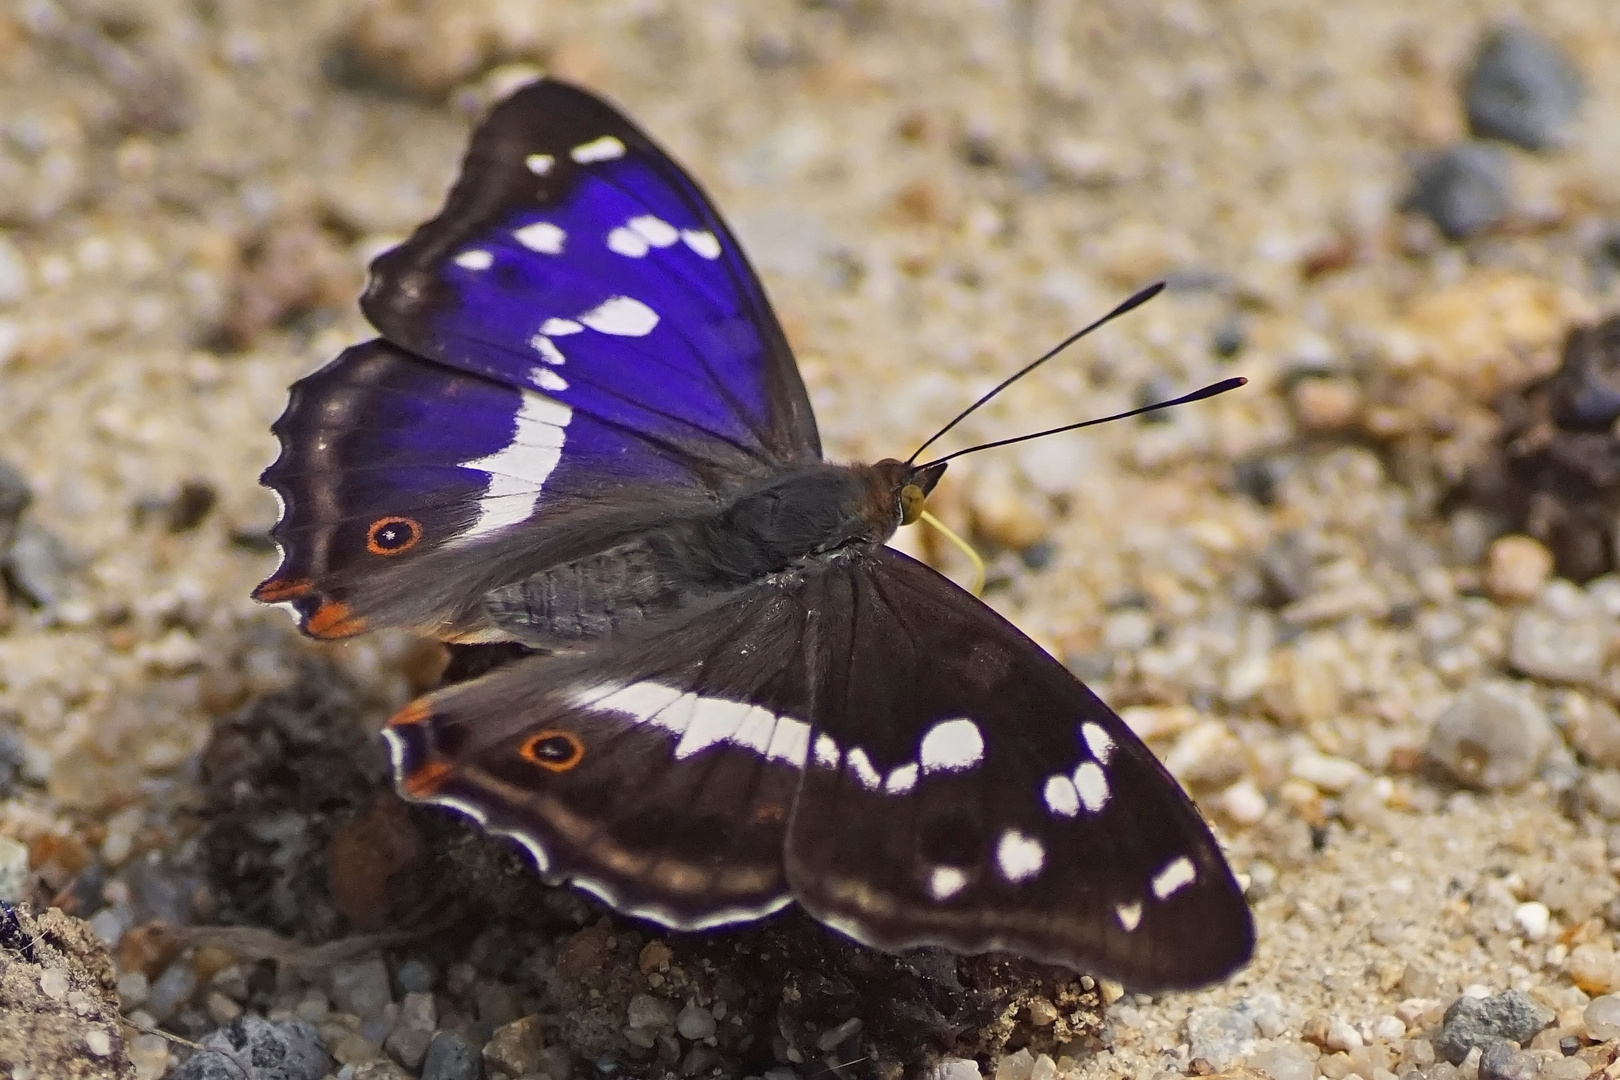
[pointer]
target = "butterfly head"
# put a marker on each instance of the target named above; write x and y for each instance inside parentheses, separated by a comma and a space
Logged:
(900, 490)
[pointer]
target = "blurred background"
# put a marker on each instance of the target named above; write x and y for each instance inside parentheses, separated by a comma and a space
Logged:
(1365, 608)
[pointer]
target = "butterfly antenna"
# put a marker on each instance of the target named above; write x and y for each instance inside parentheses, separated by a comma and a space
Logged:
(1197, 395)
(1135, 301)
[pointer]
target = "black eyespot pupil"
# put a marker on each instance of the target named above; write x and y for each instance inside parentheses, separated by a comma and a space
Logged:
(393, 535)
(556, 748)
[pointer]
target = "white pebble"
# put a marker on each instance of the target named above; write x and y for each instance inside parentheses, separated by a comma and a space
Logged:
(1342, 1036)
(1326, 773)
(1244, 803)
(1533, 919)
(98, 1042)
(53, 983)
(1388, 1028)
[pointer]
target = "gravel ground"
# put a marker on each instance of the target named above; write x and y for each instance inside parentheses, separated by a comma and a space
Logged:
(1310, 596)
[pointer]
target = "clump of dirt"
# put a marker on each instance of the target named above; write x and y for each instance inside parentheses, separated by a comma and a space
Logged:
(1554, 470)
(58, 999)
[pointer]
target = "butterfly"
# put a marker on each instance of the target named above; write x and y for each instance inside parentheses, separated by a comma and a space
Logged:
(581, 433)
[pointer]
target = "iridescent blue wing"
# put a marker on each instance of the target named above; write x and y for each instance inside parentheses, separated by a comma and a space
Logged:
(574, 258)
(410, 489)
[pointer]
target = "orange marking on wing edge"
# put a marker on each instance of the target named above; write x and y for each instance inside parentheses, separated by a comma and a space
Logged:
(412, 714)
(374, 544)
(333, 619)
(425, 782)
(530, 750)
(274, 591)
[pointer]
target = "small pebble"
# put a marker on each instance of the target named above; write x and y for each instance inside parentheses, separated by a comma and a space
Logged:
(651, 1013)
(284, 1050)
(53, 983)
(948, 1069)
(1244, 803)
(1555, 647)
(1602, 1018)
(414, 976)
(13, 870)
(1219, 1036)
(838, 1035)
(695, 1022)
(1532, 918)
(1343, 1036)
(1474, 1023)
(1286, 1062)
(514, 1048)
(98, 1042)
(171, 990)
(1491, 736)
(1324, 406)
(1464, 190)
(1522, 89)
(1517, 568)
(1501, 1060)
(132, 990)
(451, 1057)
(361, 986)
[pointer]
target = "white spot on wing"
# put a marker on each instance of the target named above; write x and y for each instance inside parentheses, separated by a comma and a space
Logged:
(622, 316)
(945, 882)
(1018, 856)
(539, 164)
(702, 721)
(1061, 798)
(861, 765)
(548, 379)
(643, 700)
(656, 231)
(952, 744)
(827, 755)
(1178, 874)
(1092, 784)
(715, 720)
(519, 470)
(702, 241)
(901, 779)
(626, 242)
(560, 327)
(474, 259)
(790, 742)
(756, 730)
(1098, 741)
(542, 236)
(604, 149)
(1130, 915)
(547, 349)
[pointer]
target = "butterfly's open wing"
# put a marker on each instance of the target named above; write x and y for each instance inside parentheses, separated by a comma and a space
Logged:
(705, 772)
(1019, 812)
(658, 775)
(409, 489)
(574, 257)
(574, 348)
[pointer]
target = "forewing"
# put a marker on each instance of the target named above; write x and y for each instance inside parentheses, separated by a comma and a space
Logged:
(410, 488)
(574, 257)
(657, 774)
(1017, 811)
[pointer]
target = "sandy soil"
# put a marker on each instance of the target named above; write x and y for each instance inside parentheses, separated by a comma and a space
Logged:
(934, 194)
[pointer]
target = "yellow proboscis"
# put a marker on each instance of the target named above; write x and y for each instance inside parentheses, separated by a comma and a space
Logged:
(961, 545)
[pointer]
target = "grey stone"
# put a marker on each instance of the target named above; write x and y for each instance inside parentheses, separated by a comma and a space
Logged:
(1521, 88)
(1478, 1022)
(408, 1046)
(451, 1057)
(361, 987)
(15, 496)
(1220, 1036)
(285, 1050)
(695, 1022)
(1501, 1060)
(38, 565)
(172, 989)
(415, 976)
(651, 1013)
(1491, 736)
(1600, 793)
(1553, 647)
(1464, 189)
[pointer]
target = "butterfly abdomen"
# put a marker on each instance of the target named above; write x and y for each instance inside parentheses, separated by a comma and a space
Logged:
(591, 597)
